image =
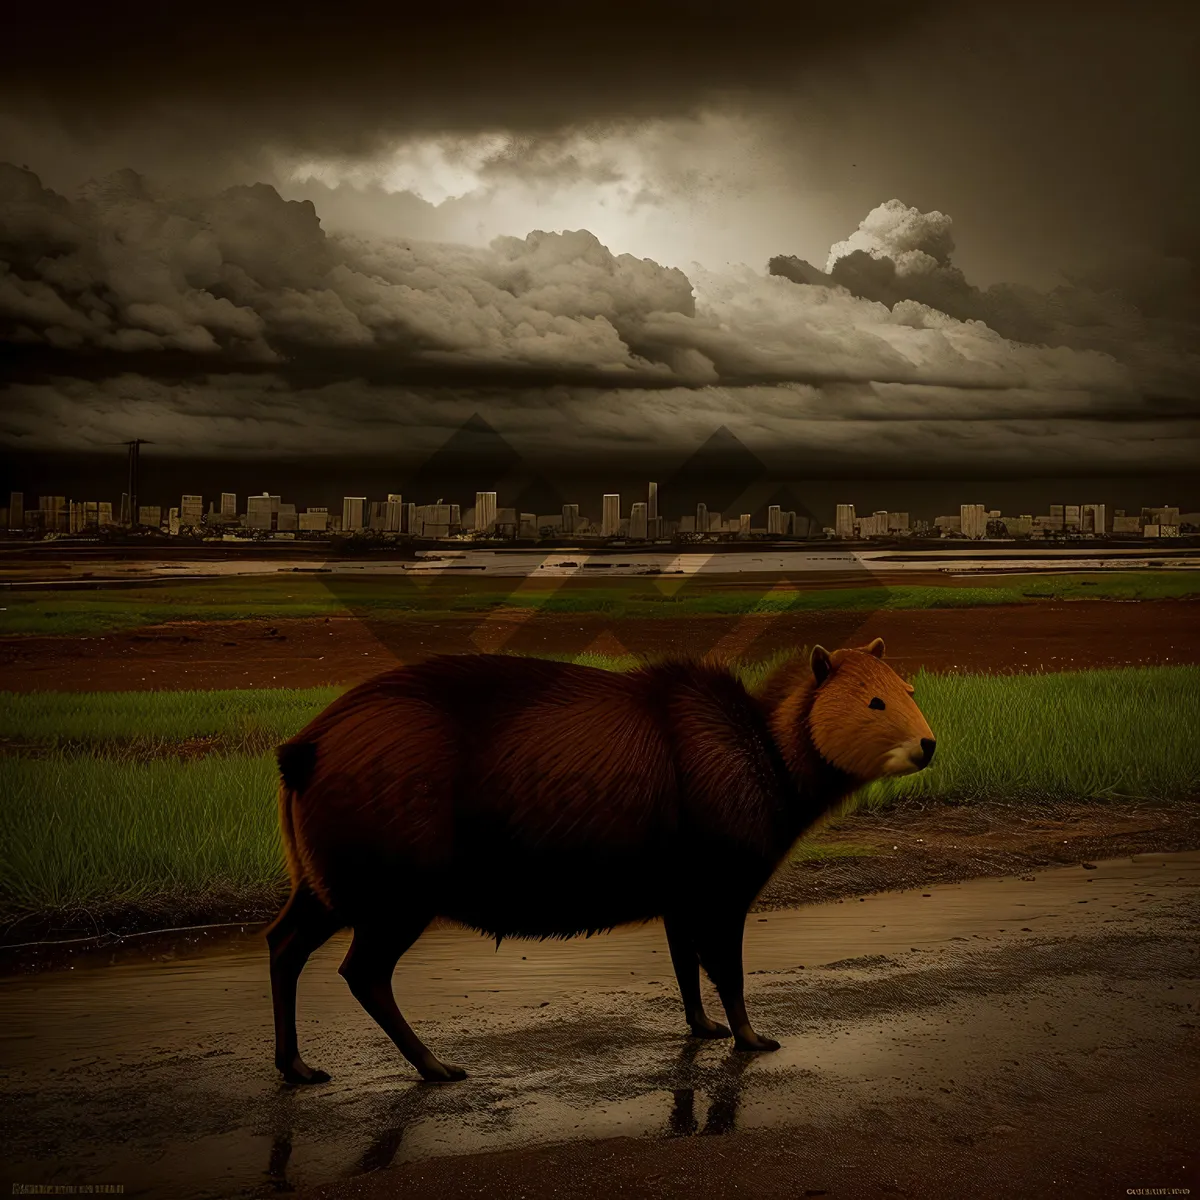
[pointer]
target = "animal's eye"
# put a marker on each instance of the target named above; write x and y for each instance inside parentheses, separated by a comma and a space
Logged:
(877, 703)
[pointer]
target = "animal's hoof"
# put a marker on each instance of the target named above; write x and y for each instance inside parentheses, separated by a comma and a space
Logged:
(298, 1074)
(710, 1029)
(755, 1042)
(436, 1071)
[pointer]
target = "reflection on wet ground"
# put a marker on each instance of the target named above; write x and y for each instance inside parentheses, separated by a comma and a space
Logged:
(157, 1074)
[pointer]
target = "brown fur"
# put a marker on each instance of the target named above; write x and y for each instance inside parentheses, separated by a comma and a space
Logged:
(528, 798)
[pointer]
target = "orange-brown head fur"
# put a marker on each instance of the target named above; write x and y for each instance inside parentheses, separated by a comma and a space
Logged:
(854, 711)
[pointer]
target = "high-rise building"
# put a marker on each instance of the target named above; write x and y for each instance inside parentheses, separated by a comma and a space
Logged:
(352, 513)
(702, 525)
(16, 510)
(610, 519)
(774, 521)
(315, 520)
(105, 516)
(259, 514)
(173, 522)
(843, 521)
(229, 506)
(652, 503)
(150, 515)
(485, 512)
(1057, 517)
(570, 518)
(286, 519)
(972, 520)
(637, 521)
(395, 513)
(527, 525)
(191, 510)
(897, 522)
(1093, 519)
(744, 523)
(55, 514)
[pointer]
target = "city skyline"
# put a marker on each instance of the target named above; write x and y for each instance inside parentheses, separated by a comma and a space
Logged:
(268, 514)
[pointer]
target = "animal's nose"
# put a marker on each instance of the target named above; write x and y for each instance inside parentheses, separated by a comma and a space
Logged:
(928, 745)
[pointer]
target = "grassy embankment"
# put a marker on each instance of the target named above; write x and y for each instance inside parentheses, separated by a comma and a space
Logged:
(380, 598)
(160, 807)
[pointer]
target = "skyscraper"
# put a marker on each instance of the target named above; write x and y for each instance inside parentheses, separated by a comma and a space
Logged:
(610, 520)
(258, 512)
(570, 518)
(637, 521)
(352, 513)
(395, 513)
(843, 522)
(774, 520)
(191, 510)
(16, 510)
(701, 517)
(485, 512)
(972, 520)
(228, 506)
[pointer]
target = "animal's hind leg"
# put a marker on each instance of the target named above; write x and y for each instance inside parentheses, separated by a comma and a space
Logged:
(721, 956)
(304, 925)
(687, 971)
(368, 970)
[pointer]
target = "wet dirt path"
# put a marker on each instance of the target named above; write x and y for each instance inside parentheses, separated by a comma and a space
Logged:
(969, 997)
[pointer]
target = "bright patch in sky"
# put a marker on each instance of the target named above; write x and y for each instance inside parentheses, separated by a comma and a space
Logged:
(676, 191)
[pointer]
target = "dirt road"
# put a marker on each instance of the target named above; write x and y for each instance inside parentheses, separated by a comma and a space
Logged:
(1001, 1037)
(1050, 636)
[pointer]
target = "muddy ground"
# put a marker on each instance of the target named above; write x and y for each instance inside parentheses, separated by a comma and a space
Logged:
(1049, 635)
(1010, 1037)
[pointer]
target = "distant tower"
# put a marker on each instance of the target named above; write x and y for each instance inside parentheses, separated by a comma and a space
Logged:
(485, 512)
(637, 521)
(701, 517)
(610, 522)
(135, 446)
(843, 522)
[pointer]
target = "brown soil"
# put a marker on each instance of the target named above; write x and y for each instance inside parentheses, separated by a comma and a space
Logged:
(909, 846)
(1053, 636)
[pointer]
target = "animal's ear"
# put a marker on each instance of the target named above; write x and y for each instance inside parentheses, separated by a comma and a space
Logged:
(875, 648)
(821, 663)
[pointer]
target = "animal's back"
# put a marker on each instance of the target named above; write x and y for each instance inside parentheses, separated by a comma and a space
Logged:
(523, 796)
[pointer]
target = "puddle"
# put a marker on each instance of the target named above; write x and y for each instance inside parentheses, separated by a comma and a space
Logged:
(158, 1074)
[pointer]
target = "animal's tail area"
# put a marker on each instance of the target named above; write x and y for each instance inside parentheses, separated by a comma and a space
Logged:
(297, 762)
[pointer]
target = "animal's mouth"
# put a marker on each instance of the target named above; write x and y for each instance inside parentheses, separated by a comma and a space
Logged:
(910, 757)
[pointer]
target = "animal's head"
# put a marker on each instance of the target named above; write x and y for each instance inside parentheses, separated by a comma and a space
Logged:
(863, 718)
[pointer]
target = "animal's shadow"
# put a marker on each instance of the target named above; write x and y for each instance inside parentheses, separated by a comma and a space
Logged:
(723, 1083)
(724, 1086)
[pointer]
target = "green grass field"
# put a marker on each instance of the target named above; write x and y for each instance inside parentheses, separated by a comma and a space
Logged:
(287, 596)
(88, 828)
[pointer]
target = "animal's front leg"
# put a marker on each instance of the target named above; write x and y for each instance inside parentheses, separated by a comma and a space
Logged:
(721, 957)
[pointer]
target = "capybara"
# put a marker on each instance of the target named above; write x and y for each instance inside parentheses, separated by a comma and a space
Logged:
(529, 798)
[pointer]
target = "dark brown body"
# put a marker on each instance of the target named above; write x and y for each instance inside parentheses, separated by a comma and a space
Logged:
(529, 798)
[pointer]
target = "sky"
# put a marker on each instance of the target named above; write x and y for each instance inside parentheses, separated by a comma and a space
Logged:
(894, 241)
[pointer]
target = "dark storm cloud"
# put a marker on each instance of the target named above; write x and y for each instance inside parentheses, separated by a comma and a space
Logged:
(128, 278)
(231, 324)
(1145, 310)
(338, 77)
